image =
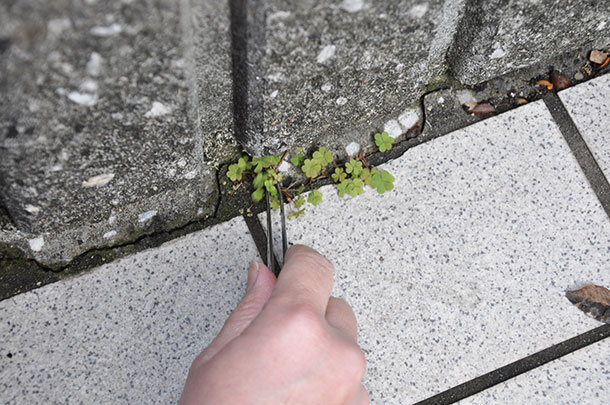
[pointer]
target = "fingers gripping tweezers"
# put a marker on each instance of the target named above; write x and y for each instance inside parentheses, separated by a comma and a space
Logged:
(272, 264)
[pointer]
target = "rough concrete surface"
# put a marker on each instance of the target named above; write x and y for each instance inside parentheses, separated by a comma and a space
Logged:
(99, 144)
(332, 71)
(498, 36)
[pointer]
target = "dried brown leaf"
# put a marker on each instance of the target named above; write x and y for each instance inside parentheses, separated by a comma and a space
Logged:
(593, 300)
(483, 108)
(549, 85)
(598, 57)
(559, 80)
(603, 65)
(521, 100)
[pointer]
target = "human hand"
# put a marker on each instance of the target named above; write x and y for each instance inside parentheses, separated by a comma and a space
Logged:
(287, 342)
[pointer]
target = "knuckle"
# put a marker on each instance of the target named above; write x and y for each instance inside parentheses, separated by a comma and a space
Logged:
(355, 363)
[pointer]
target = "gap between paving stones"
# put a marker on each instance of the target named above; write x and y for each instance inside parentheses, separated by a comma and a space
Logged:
(518, 367)
(21, 275)
(574, 139)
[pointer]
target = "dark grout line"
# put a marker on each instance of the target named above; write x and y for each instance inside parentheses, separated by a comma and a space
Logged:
(587, 162)
(260, 237)
(518, 367)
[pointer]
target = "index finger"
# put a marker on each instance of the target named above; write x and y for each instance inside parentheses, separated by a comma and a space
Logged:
(306, 279)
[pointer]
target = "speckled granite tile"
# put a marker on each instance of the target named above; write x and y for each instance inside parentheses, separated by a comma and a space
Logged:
(462, 268)
(589, 107)
(582, 377)
(126, 332)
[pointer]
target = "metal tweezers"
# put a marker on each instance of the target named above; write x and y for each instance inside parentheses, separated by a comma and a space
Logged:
(272, 264)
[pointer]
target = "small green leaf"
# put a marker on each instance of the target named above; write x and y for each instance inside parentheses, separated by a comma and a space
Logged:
(297, 159)
(342, 187)
(242, 163)
(274, 202)
(234, 172)
(366, 176)
(323, 156)
(311, 168)
(339, 175)
(315, 197)
(299, 201)
(258, 194)
(383, 141)
(270, 186)
(296, 214)
(383, 181)
(259, 180)
(354, 167)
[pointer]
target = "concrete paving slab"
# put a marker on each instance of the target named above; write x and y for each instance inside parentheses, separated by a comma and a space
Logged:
(100, 141)
(500, 36)
(582, 377)
(125, 332)
(589, 107)
(462, 268)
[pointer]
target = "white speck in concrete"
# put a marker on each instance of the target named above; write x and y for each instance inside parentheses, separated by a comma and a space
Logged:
(181, 162)
(114, 202)
(273, 94)
(351, 6)
(108, 31)
(466, 96)
(158, 109)
(57, 25)
(326, 87)
(82, 98)
(171, 172)
(441, 100)
(601, 25)
(393, 129)
(145, 216)
(275, 77)
(352, 148)
(278, 15)
(98, 181)
(88, 86)
(191, 175)
(341, 101)
(61, 91)
(419, 10)
(32, 209)
(408, 119)
(57, 168)
(36, 244)
(497, 53)
(199, 211)
(112, 220)
(326, 53)
(109, 235)
(94, 66)
(284, 167)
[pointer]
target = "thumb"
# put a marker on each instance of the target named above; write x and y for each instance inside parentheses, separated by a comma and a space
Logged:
(259, 287)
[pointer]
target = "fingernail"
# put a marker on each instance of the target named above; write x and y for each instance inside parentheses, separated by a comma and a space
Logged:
(252, 275)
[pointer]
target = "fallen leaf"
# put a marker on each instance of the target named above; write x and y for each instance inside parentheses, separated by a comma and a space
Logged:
(413, 132)
(521, 100)
(470, 105)
(549, 85)
(559, 80)
(603, 65)
(593, 300)
(483, 108)
(598, 57)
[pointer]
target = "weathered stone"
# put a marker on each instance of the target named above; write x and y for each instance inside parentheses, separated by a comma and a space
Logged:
(100, 141)
(500, 36)
(335, 72)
